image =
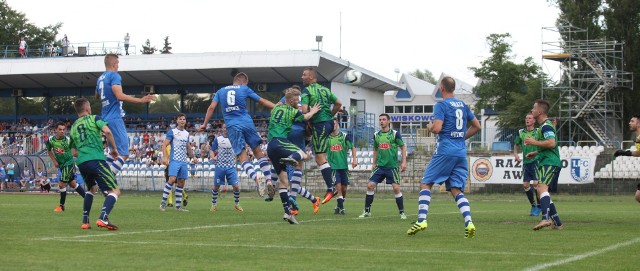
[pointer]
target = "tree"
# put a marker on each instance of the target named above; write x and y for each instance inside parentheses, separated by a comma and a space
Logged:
(504, 82)
(425, 75)
(147, 49)
(14, 24)
(166, 49)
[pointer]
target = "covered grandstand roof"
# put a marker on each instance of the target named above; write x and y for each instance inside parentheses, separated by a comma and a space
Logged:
(53, 73)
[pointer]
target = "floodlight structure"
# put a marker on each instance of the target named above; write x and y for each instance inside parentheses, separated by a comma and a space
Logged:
(590, 82)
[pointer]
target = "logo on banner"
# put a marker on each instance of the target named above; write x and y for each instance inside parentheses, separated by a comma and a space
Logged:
(482, 169)
(580, 169)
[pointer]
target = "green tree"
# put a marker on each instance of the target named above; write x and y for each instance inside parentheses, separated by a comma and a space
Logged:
(147, 49)
(504, 81)
(425, 75)
(166, 49)
(14, 24)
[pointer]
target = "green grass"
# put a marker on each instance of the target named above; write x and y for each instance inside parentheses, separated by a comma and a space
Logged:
(601, 234)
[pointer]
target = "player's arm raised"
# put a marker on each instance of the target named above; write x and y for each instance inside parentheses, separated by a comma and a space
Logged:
(312, 112)
(210, 110)
(336, 107)
(117, 91)
(266, 103)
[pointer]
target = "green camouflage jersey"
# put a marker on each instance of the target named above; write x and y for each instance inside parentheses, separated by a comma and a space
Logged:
(387, 144)
(61, 150)
(522, 134)
(548, 157)
(281, 120)
(339, 147)
(86, 137)
(318, 94)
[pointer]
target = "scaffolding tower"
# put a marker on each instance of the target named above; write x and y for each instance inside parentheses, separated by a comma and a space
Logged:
(591, 83)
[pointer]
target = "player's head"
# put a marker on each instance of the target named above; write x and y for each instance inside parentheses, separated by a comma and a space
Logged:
(240, 78)
(82, 106)
(447, 84)
(384, 121)
(181, 119)
(529, 120)
(60, 129)
(540, 107)
(634, 123)
(292, 97)
(336, 124)
(223, 129)
(309, 76)
(111, 62)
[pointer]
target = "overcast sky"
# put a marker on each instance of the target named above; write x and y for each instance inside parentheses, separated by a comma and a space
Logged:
(441, 36)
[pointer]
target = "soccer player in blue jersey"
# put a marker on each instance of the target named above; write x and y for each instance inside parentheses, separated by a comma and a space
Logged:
(449, 162)
(322, 123)
(86, 144)
(177, 161)
(240, 126)
(281, 151)
(225, 172)
(109, 91)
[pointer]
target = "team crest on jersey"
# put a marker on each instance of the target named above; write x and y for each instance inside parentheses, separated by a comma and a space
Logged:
(580, 169)
(58, 150)
(384, 146)
(336, 147)
(482, 169)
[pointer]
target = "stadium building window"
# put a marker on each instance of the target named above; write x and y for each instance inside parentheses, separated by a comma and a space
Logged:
(399, 109)
(428, 109)
(388, 109)
(418, 109)
(408, 109)
(164, 104)
(31, 105)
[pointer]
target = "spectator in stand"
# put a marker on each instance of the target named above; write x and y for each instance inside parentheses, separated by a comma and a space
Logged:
(126, 44)
(11, 171)
(173, 124)
(145, 138)
(26, 178)
(136, 140)
(22, 47)
(65, 45)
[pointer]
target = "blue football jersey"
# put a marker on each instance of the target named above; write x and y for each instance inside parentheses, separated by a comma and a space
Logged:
(111, 107)
(179, 140)
(233, 102)
(454, 114)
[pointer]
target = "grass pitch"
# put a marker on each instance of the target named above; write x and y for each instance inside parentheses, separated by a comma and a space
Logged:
(601, 233)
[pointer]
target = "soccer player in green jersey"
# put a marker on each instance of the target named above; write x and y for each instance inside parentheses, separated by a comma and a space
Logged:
(321, 123)
(385, 157)
(549, 164)
(282, 151)
(528, 165)
(86, 145)
(60, 153)
(339, 145)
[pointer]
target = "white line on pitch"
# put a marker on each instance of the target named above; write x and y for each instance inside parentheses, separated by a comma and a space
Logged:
(341, 248)
(118, 233)
(585, 255)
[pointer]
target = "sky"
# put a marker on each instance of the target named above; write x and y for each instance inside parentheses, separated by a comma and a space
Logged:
(380, 36)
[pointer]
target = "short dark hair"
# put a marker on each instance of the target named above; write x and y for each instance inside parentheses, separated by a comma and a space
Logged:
(181, 115)
(60, 123)
(544, 105)
(312, 70)
(385, 115)
(637, 116)
(241, 76)
(448, 83)
(79, 104)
